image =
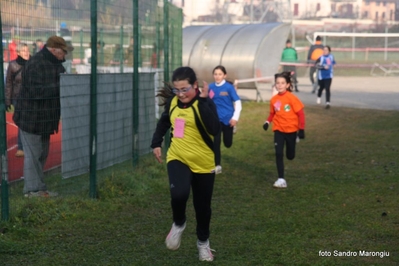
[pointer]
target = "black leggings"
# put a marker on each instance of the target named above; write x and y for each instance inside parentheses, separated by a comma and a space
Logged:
(180, 180)
(325, 84)
(227, 141)
(279, 139)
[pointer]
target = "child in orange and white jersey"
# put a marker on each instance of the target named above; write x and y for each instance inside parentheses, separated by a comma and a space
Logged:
(288, 117)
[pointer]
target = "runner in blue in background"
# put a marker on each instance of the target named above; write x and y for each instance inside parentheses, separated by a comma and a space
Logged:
(325, 65)
(228, 105)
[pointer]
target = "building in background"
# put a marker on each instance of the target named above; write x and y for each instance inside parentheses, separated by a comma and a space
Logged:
(257, 11)
(380, 11)
(307, 9)
(207, 12)
(346, 9)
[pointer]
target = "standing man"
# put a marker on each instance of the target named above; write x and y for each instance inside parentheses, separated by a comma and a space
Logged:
(37, 112)
(290, 55)
(314, 53)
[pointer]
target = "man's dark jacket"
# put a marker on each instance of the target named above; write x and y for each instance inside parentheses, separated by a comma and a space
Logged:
(38, 106)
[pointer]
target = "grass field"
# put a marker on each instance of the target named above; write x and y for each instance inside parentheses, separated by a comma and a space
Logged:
(342, 196)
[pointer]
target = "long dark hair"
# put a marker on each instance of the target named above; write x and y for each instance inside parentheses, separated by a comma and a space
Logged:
(287, 76)
(181, 73)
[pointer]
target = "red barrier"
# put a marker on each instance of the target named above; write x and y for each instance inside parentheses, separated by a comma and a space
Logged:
(16, 164)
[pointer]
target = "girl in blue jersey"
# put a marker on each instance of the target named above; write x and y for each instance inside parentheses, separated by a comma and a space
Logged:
(325, 64)
(193, 122)
(228, 106)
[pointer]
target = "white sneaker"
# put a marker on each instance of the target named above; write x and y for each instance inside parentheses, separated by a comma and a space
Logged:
(218, 169)
(174, 237)
(280, 183)
(204, 251)
(318, 100)
(327, 105)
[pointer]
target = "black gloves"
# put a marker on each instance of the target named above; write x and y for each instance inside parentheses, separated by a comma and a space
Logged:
(301, 134)
(266, 126)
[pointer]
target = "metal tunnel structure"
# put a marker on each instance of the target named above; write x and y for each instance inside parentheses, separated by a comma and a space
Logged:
(246, 50)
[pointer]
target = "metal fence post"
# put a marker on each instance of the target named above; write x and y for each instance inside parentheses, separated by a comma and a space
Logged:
(5, 210)
(93, 101)
(81, 54)
(121, 54)
(166, 40)
(135, 109)
(166, 58)
(158, 43)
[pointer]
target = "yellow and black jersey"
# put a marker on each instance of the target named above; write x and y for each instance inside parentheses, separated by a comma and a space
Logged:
(193, 126)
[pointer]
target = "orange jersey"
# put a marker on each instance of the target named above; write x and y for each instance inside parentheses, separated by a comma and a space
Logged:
(284, 108)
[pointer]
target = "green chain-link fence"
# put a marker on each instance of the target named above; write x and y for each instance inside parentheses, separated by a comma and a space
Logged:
(122, 54)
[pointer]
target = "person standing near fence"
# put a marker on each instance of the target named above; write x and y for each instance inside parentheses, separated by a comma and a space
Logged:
(325, 65)
(228, 105)
(314, 53)
(13, 85)
(37, 46)
(290, 56)
(288, 117)
(87, 52)
(154, 56)
(192, 118)
(129, 56)
(37, 112)
(118, 57)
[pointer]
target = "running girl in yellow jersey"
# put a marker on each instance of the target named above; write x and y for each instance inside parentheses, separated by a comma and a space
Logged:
(193, 121)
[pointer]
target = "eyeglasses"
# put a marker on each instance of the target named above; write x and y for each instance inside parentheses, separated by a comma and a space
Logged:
(185, 90)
